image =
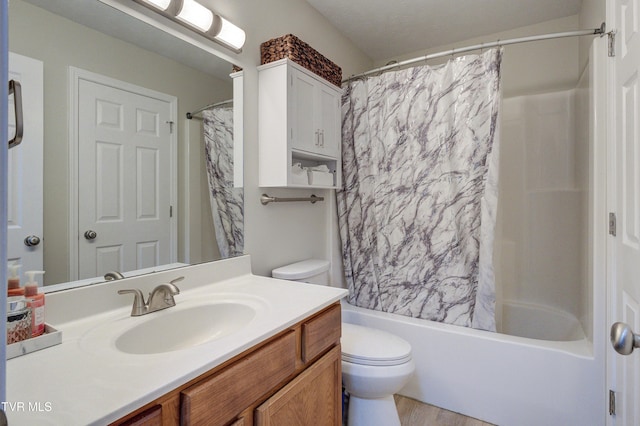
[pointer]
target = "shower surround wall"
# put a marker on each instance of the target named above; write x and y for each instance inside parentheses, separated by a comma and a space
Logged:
(542, 206)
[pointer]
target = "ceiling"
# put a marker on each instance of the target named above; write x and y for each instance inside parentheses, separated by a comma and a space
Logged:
(383, 29)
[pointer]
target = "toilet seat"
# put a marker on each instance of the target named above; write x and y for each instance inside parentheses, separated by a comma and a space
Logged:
(368, 346)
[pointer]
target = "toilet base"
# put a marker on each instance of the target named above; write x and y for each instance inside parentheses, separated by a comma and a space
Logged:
(373, 412)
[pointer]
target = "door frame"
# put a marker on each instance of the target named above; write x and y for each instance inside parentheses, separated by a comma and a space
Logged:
(75, 76)
(612, 201)
(4, 131)
(598, 208)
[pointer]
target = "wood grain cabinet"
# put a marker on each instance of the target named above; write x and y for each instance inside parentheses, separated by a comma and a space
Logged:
(311, 399)
(299, 121)
(293, 378)
(150, 417)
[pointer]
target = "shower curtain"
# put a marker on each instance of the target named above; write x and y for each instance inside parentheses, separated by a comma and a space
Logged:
(227, 205)
(417, 211)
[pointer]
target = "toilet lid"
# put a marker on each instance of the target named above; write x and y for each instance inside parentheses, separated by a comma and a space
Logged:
(368, 346)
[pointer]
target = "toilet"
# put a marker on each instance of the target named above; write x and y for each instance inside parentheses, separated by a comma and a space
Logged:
(375, 364)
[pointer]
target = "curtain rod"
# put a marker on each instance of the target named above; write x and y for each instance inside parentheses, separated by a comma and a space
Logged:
(191, 115)
(596, 31)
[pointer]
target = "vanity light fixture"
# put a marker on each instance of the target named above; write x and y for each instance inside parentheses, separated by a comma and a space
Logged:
(193, 13)
(159, 4)
(231, 34)
(195, 16)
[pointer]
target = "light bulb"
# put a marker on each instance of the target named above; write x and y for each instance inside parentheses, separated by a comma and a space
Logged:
(231, 34)
(196, 14)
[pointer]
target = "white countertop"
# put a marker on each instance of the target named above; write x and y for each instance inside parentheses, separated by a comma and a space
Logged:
(87, 380)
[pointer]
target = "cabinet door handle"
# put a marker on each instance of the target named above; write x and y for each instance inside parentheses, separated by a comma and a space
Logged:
(322, 134)
(317, 138)
(16, 90)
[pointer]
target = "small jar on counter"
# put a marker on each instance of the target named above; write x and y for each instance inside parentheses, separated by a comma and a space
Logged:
(18, 319)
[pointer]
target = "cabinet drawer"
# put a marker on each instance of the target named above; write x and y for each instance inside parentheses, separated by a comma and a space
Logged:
(219, 399)
(321, 332)
(151, 417)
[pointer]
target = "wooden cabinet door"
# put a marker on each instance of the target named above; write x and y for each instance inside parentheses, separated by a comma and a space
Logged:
(311, 399)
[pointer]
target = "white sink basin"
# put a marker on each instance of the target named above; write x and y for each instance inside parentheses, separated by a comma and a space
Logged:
(192, 322)
(174, 329)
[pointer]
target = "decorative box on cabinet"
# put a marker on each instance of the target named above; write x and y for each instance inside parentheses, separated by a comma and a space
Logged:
(271, 383)
(299, 121)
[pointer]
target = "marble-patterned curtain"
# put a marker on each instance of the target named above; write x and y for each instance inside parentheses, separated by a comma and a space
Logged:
(227, 201)
(417, 211)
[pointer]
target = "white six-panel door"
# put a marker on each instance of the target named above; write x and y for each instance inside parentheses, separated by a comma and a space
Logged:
(124, 179)
(624, 196)
(25, 167)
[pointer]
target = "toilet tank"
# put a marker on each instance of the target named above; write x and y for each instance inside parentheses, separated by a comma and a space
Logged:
(313, 271)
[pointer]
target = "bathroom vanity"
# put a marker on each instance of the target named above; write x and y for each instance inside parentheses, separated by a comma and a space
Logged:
(271, 355)
(294, 375)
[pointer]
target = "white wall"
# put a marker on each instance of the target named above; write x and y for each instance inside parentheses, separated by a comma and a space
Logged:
(527, 68)
(592, 15)
(278, 234)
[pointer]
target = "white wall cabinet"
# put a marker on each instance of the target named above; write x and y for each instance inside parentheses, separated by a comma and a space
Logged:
(299, 122)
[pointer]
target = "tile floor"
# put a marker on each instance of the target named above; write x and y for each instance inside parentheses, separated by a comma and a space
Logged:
(415, 413)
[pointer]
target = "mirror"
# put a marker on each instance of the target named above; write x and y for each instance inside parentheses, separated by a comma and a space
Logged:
(97, 40)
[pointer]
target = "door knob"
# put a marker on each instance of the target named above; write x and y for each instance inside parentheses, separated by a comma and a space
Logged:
(623, 339)
(32, 241)
(90, 235)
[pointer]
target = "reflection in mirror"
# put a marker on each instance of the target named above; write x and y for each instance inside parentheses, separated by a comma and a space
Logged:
(227, 207)
(60, 40)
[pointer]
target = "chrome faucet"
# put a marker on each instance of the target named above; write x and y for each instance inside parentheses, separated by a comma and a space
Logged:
(160, 298)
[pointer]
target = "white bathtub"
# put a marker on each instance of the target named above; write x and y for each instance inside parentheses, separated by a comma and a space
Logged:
(539, 322)
(502, 379)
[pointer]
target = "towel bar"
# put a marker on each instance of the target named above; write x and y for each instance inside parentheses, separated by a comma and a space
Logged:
(265, 199)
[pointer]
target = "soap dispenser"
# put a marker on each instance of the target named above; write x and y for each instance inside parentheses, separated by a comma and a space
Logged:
(13, 283)
(35, 301)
